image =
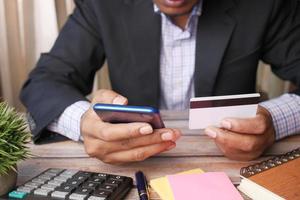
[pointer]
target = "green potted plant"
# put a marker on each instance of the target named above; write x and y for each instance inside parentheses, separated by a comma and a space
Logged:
(13, 138)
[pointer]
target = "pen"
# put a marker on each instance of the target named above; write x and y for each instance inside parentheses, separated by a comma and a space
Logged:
(141, 184)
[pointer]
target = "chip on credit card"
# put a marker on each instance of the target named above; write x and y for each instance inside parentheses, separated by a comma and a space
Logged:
(210, 111)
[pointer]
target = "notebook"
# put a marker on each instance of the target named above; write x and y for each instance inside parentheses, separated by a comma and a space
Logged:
(276, 178)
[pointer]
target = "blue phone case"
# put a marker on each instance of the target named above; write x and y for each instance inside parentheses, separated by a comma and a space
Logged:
(125, 114)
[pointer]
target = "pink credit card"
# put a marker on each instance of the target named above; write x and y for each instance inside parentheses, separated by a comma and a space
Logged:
(210, 111)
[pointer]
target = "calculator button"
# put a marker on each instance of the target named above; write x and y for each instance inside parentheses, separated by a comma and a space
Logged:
(50, 174)
(96, 180)
(17, 195)
(59, 194)
(81, 178)
(66, 175)
(45, 177)
(74, 182)
(55, 182)
(90, 185)
(117, 178)
(81, 193)
(81, 173)
(25, 189)
(101, 193)
(38, 180)
(77, 196)
(32, 185)
(54, 171)
(86, 173)
(107, 188)
(69, 173)
(41, 192)
(48, 187)
(112, 183)
(66, 188)
(96, 198)
(61, 178)
(101, 175)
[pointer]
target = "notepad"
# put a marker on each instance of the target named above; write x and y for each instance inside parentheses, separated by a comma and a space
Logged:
(162, 186)
(210, 185)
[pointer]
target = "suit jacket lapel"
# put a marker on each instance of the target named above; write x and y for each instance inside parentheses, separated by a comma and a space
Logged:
(215, 27)
(144, 32)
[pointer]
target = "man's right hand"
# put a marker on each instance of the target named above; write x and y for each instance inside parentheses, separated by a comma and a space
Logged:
(122, 143)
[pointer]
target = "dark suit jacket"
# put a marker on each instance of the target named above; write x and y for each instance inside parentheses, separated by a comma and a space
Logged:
(233, 35)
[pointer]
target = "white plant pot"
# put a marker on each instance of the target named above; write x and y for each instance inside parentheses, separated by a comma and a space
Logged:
(8, 182)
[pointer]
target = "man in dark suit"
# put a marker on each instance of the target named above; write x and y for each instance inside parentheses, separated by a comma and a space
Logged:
(161, 53)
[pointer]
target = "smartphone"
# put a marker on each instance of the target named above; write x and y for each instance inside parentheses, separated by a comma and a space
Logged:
(125, 114)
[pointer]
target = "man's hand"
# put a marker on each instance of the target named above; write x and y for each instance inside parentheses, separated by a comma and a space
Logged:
(121, 143)
(244, 139)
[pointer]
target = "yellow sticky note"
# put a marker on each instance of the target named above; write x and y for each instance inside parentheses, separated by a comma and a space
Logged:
(162, 187)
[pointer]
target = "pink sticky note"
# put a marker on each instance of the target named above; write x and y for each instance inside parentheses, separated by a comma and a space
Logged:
(208, 186)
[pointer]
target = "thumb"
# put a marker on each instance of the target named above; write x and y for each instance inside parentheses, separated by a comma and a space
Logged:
(255, 125)
(109, 97)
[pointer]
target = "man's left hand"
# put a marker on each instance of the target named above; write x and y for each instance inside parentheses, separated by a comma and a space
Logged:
(244, 139)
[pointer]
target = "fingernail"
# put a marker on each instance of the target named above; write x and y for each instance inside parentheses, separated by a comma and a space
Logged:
(146, 130)
(119, 100)
(211, 133)
(167, 136)
(226, 124)
(171, 147)
(177, 134)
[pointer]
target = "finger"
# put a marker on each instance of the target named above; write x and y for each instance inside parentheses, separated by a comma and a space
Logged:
(231, 140)
(138, 154)
(157, 137)
(114, 132)
(109, 97)
(255, 125)
(99, 148)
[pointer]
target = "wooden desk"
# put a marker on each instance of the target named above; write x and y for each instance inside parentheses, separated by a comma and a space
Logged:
(193, 150)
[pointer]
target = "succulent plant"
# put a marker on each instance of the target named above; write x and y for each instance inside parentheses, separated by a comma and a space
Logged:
(14, 136)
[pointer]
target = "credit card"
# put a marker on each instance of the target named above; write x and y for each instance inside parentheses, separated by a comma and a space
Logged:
(210, 111)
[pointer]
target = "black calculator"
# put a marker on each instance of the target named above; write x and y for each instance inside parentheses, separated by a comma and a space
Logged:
(73, 185)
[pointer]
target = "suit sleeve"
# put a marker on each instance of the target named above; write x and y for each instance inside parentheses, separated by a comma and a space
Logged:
(65, 74)
(282, 41)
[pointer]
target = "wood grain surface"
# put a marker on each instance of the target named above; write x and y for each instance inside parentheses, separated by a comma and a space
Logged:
(194, 150)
